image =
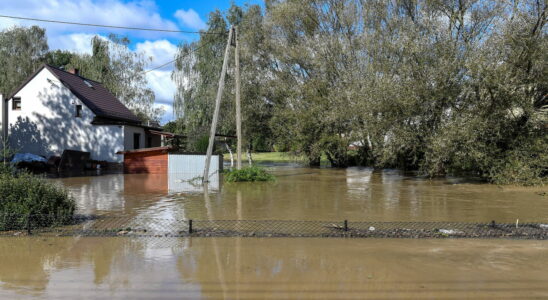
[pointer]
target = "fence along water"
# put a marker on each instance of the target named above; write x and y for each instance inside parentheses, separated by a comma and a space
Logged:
(44, 225)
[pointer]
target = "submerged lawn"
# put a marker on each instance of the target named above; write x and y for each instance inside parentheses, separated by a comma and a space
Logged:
(280, 157)
(267, 157)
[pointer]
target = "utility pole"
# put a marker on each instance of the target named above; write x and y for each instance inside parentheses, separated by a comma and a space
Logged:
(217, 108)
(238, 109)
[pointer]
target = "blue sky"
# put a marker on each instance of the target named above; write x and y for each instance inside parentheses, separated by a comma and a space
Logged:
(160, 47)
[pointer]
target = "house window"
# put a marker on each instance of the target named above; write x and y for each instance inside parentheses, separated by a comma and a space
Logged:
(16, 105)
(136, 140)
(78, 111)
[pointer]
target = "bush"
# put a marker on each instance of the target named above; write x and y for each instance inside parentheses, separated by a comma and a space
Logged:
(252, 173)
(24, 194)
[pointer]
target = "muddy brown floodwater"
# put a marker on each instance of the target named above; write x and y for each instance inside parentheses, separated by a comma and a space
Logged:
(311, 194)
(275, 268)
(285, 268)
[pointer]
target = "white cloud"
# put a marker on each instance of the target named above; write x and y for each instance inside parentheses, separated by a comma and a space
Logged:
(160, 51)
(168, 112)
(162, 85)
(76, 42)
(108, 12)
(164, 90)
(190, 18)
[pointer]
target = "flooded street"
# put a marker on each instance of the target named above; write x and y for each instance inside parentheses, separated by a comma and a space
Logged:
(285, 268)
(252, 268)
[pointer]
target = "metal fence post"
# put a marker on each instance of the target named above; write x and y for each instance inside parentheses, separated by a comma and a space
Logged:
(345, 225)
(190, 226)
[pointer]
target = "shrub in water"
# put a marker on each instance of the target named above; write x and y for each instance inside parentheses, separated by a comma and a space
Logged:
(24, 194)
(252, 173)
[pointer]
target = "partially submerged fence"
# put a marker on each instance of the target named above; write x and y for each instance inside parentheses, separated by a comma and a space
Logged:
(16, 225)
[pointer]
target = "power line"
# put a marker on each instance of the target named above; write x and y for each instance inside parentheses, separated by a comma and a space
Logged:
(173, 60)
(108, 26)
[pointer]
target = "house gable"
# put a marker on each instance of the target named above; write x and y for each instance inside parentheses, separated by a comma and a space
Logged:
(47, 122)
(91, 93)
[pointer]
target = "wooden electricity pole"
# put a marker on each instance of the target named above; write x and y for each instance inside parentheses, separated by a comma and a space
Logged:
(217, 108)
(238, 109)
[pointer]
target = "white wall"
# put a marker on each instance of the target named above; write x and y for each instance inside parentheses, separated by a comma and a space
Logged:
(128, 137)
(46, 124)
(193, 164)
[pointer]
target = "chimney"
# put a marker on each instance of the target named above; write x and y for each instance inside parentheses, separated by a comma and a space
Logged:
(74, 71)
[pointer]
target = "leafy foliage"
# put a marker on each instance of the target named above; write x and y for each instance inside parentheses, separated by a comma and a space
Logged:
(197, 71)
(25, 194)
(59, 58)
(22, 50)
(437, 86)
(251, 173)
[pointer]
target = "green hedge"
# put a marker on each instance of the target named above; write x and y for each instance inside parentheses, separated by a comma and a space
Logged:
(24, 194)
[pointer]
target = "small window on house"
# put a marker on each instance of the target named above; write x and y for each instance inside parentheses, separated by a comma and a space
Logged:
(78, 111)
(16, 104)
(136, 140)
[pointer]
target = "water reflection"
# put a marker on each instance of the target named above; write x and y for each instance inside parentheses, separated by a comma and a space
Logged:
(233, 268)
(308, 194)
(190, 183)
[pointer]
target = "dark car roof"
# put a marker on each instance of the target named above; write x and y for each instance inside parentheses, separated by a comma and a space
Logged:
(92, 93)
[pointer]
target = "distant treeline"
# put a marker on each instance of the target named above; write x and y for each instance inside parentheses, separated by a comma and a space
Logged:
(444, 87)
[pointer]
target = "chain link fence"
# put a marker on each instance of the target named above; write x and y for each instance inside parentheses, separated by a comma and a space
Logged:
(42, 225)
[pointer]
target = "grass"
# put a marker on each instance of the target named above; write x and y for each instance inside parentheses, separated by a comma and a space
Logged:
(267, 157)
(279, 157)
(264, 157)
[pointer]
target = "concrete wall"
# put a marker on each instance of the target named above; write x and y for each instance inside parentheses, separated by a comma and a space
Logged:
(46, 123)
(193, 164)
(128, 137)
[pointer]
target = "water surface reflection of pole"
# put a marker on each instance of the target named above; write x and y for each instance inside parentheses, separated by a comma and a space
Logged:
(211, 218)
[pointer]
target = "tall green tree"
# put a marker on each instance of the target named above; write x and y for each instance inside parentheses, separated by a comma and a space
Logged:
(22, 50)
(59, 58)
(197, 73)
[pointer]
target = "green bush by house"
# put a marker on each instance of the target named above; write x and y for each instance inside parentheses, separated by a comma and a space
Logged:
(252, 173)
(24, 194)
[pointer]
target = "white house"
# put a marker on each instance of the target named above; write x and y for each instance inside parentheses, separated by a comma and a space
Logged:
(54, 110)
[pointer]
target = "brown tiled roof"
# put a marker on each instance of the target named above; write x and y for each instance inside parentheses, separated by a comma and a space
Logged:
(97, 98)
(100, 100)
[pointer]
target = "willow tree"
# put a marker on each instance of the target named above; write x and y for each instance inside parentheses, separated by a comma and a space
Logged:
(498, 127)
(319, 75)
(197, 73)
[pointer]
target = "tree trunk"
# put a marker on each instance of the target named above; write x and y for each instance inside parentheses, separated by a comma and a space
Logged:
(249, 158)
